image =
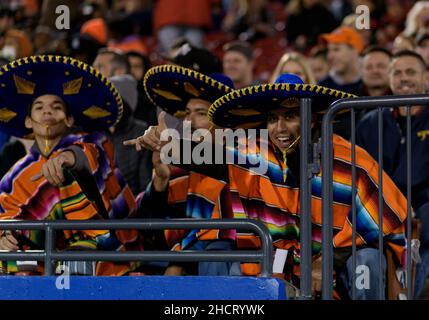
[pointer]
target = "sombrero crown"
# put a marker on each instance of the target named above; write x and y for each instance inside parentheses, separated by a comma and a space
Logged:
(93, 101)
(170, 87)
(249, 107)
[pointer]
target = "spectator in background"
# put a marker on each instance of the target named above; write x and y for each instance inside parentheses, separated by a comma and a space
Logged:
(318, 61)
(307, 19)
(238, 63)
(135, 167)
(111, 62)
(344, 47)
(181, 18)
(145, 110)
(295, 63)
(407, 75)
(139, 65)
(249, 20)
(375, 72)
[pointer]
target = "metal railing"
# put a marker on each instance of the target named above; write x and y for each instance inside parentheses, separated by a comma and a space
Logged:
(50, 254)
(327, 180)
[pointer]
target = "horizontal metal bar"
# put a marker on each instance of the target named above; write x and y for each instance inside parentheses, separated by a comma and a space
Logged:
(381, 102)
(36, 256)
(244, 256)
(251, 225)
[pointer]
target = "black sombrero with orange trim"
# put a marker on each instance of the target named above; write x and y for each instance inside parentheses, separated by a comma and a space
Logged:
(249, 107)
(94, 102)
(170, 87)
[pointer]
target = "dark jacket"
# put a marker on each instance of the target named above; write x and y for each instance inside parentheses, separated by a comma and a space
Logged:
(395, 152)
(136, 167)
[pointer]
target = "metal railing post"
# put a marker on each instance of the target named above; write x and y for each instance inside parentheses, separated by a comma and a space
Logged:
(305, 200)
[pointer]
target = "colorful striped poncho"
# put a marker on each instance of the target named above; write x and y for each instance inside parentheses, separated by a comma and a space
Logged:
(23, 199)
(190, 195)
(276, 203)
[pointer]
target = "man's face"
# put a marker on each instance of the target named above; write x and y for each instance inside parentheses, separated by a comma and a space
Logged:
(407, 76)
(340, 56)
(103, 63)
(137, 67)
(48, 117)
(236, 66)
(375, 70)
(196, 112)
(283, 127)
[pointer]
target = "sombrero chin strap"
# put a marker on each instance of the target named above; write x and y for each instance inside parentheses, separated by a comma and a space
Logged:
(47, 149)
(292, 145)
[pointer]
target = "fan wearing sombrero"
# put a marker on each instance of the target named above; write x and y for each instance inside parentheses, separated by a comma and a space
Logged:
(274, 200)
(67, 174)
(173, 192)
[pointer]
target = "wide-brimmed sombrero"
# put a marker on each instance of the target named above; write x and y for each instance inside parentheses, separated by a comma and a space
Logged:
(249, 107)
(94, 102)
(170, 87)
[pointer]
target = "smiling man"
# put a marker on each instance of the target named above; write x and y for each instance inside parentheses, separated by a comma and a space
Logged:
(407, 75)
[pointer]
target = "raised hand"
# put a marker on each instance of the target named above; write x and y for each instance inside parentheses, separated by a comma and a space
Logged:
(151, 138)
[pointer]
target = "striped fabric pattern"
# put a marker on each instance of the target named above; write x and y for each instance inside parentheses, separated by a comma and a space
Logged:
(23, 199)
(199, 197)
(276, 204)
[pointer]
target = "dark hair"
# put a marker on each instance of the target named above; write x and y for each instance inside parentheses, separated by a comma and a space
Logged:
(66, 106)
(373, 49)
(145, 59)
(239, 46)
(119, 60)
(409, 53)
(319, 52)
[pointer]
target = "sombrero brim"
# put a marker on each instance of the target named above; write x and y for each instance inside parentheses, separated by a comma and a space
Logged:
(170, 87)
(94, 102)
(249, 107)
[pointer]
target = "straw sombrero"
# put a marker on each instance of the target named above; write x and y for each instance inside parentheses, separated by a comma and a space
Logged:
(94, 102)
(170, 87)
(248, 107)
